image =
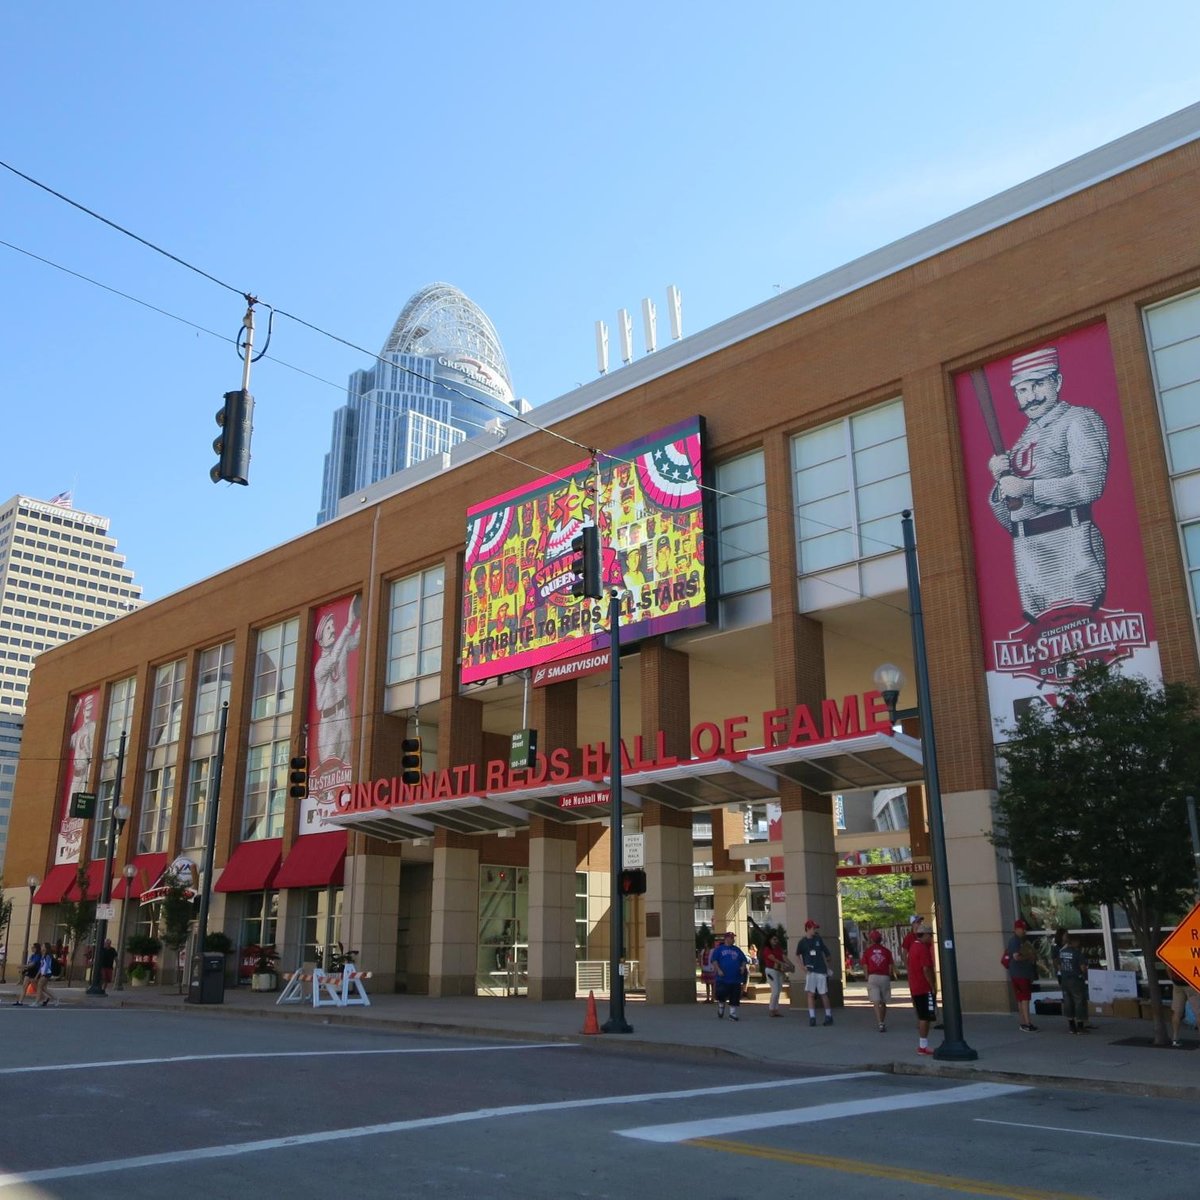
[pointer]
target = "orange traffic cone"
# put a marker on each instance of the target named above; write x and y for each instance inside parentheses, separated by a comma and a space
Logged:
(591, 1025)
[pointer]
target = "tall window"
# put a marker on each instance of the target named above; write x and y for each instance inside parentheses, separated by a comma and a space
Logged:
(121, 697)
(213, 677)
(213, 680)
(1173, 334)
(166, 709)
(158, 789)
(275, 670)
(415, 640)
(267, 762)
(266, 790)
(851, 482)
(415, 644)
(742, 524)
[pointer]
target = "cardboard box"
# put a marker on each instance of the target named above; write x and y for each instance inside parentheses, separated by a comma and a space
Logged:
(1126, 1008)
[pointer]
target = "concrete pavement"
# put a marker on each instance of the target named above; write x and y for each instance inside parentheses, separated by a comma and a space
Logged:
(1103, 1059)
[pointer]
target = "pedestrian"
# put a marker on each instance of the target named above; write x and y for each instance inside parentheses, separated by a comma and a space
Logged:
(108, 961)
(1072, 978)
(1180, 992)
(922, 984)
(704, 959)
(915, 924)
(44, 996)
(730, 969)
(880, 966)
(814, 955)
(777, 965)
(29, 973)
(1020, 958)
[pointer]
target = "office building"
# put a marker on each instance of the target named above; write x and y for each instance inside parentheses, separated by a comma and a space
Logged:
(60, 575)
(441, 377)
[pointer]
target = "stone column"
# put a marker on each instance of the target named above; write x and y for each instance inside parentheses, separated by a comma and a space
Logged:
(810, 876)
(552, 863)
(370, 909)
(454, 929)
(669, 969)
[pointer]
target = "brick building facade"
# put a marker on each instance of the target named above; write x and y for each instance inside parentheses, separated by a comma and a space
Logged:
(867, 358)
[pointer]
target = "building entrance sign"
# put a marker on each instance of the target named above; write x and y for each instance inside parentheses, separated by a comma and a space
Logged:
(735, 739)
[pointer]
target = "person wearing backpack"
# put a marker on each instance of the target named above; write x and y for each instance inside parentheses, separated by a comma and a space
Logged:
(44, 995)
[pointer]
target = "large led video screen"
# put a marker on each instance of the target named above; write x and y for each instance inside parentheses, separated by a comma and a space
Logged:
(518, 610)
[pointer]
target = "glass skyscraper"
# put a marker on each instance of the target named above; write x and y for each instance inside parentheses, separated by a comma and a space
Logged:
(440, 378)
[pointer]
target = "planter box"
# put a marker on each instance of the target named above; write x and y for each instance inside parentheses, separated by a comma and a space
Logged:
(266, 982)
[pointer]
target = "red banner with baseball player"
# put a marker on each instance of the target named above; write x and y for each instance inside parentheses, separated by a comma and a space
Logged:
(518, 609)
(1059, 563)
(332, 708)
(78, 774)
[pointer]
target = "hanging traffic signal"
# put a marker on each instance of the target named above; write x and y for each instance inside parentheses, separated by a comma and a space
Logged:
(298, 778)
(410, 761)
(232, 445)
(585, 563)
(633, 882)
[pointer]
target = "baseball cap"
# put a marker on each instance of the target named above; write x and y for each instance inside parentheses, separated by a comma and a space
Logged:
(915, 918)
(811, 924)
(1019, 923)
(875, 935)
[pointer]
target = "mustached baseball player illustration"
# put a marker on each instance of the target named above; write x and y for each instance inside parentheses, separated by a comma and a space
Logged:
(1045, 486)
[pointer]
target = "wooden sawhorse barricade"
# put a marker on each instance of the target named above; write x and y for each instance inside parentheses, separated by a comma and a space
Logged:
(337, 989)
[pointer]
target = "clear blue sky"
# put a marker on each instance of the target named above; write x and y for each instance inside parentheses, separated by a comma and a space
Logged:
(554, 161)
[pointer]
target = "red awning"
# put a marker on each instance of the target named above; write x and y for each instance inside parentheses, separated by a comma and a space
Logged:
(252, 867)
(59, 885)
(55, 885)
(316, 860)
(148, 868)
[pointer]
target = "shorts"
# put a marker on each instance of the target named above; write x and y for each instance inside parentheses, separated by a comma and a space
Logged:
(817, 982)
(879, 988)
(728, 993)
(925, 1006)
(1022, 988)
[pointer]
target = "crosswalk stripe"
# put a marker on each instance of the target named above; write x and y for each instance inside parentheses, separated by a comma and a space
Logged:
(686, 1131)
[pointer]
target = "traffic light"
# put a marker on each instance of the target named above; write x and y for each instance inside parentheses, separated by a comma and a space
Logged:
(232, 445)
(585, 563)
(298, 778)
(633, 882)
(410, 761)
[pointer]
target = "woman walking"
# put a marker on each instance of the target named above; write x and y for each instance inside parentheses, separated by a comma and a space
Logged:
(776, 964)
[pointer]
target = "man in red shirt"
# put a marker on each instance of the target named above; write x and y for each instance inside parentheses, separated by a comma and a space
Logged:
(922, 983)
(880, 967)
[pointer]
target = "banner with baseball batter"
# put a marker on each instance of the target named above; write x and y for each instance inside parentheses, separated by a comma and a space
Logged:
(78, 774)
(1059, 563)
(332, 708)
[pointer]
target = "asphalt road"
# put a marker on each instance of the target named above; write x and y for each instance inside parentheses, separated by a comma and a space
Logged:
(119, 1103)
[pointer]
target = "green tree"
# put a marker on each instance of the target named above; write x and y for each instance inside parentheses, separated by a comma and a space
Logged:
(1092, 794)
(877, 900)
(175, 915)
(77, 918)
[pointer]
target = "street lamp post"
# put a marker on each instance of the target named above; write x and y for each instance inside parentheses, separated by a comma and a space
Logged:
(889, 678)
(120, 814)
(31, 883)
(129, 871)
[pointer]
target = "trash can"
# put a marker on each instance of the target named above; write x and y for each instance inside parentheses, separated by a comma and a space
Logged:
(207, 984)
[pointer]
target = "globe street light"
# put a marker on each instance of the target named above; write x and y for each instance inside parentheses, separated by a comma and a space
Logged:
(129, 871)
(31, 883)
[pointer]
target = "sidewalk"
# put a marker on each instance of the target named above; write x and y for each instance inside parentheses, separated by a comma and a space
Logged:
(1051, 1057)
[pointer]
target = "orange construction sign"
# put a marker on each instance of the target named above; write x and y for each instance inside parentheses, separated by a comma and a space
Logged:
(1181, 951)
